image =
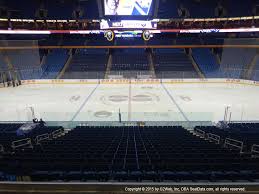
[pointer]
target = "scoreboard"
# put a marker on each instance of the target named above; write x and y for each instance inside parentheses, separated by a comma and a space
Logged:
(127, 7)
(128, 24)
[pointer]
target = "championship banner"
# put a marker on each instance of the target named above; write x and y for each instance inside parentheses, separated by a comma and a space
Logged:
(128, 24)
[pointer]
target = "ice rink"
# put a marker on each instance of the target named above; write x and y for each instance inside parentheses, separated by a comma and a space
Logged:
(136, 102)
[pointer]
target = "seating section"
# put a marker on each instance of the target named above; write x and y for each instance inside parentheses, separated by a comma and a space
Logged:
(87, 64)
(235, 60)
(201, 9)
(245, 132)
(97, 40)
(129, 41)
(10, 133)
(24, 59)
(129, 154)
(54, 63)
(73, 42)
(173, 63)
(129, 63)
(25, 10)
(89, 9)
(207, 62)
(255, 74)
(65, 9)
(161, 40)
(191, 40)
(240, 9)
(3, 65)
(233, 66)
(30, 8)
(27, 62)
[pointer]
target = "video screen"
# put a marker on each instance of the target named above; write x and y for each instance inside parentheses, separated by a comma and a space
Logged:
(127, 7)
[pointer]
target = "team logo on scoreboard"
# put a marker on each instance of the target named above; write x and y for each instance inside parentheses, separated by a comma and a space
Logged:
(109, 35)
(146, 35)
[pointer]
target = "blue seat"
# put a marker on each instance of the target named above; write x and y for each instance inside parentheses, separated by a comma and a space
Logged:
(89, 175)
(135, 175)
(120, 175)
(40, 176)
(156, 153)
(169, 175)
(73, 176)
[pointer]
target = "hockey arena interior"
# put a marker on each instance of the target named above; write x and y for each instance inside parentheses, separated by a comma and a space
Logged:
(106, 93)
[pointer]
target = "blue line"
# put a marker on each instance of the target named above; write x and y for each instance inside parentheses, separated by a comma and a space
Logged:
(84, 103)
(172, 98)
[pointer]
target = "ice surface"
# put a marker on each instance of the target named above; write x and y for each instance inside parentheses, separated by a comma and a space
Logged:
(136, 102)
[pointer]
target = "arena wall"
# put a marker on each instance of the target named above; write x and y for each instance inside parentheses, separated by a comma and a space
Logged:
(141, 81)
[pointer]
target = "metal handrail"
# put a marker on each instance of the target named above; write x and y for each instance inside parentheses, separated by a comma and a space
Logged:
(41, 137)
(214, 137)
(229, 140)
(253, 149)
(57, 133)
(21, 143)
(200, 133)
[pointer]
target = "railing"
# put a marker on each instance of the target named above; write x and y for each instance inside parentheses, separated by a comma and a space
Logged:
(234, 143)
(41, 137)
(22, 143)
(200, 133)
(255, 150)
(57, 133)
(213, 137)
